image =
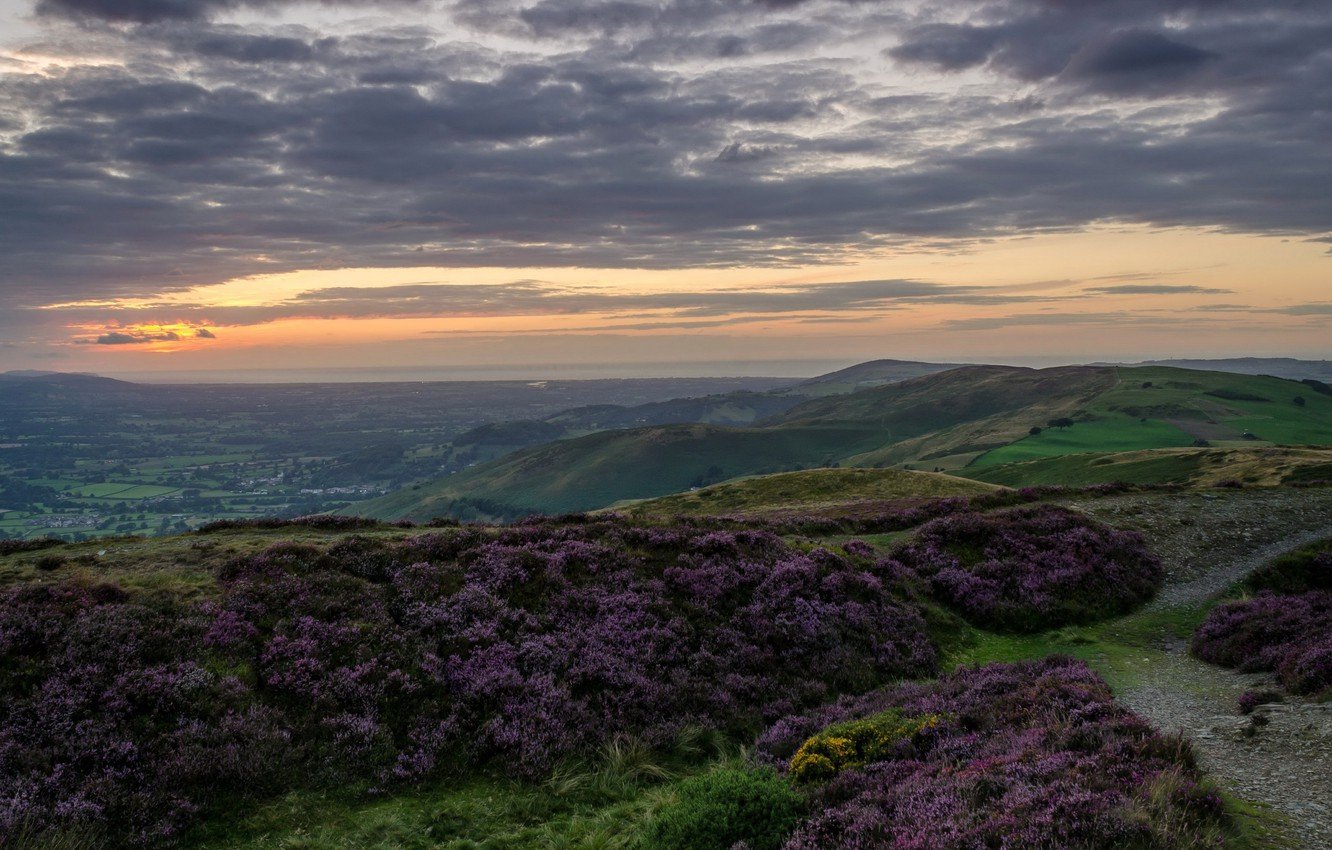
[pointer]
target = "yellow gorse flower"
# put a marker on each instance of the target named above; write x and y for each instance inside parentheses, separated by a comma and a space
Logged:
(856, 743)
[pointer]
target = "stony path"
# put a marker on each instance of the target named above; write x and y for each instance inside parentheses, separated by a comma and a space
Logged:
(1284, 759)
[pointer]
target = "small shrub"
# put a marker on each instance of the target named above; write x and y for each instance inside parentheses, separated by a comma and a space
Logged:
(1306, 568)
(856, 743)
(753, 807)
(1286, 634)
(47, 563)
(1249, 700)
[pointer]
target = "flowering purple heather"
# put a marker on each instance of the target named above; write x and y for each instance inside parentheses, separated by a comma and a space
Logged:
(517, 648)
(1026, 755)
(1033, 567)
(1288, 634)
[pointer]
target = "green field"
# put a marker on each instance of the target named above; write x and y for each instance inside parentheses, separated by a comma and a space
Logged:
(1113, 434)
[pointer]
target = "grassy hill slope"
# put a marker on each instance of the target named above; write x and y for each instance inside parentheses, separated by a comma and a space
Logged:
(811, 488)
(1161, 407)
(972, 418)
(1264, 466)
(606, 467)
(874, 373)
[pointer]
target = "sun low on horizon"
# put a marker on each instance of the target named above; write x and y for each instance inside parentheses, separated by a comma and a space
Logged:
(536, 185)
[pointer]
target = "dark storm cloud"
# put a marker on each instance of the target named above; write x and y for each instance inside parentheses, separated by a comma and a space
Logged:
(656, 135)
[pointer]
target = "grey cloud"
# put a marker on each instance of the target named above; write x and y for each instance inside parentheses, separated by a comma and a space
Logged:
(246, 48)
(1155, 289)
(148, 11)
(215, 152)
(134, 338)
(948, 47)
(1321, 308)
(528, 297)
(1135, 58)
(984, 323)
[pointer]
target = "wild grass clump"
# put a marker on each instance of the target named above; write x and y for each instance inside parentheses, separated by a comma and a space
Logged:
(750, 807)
(10, 547)
(321, 522)
(1032, 568)
(1034, 754)
(389, 663)
(1306, 568)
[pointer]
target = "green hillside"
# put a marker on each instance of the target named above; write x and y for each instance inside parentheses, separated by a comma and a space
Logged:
(812, 488)
(606, 467)
(874, 373)
(1161, 407)
(966, 421)
(1267, 466)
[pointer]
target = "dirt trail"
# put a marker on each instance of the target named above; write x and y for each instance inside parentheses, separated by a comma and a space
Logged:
(1208, 542)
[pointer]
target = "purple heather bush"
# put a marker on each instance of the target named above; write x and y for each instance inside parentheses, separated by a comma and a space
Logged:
(1028, 755)
(1032, 568)
(1288, 634)
(451, 650)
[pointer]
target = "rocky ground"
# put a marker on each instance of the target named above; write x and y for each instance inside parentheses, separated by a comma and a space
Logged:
(1282, 755)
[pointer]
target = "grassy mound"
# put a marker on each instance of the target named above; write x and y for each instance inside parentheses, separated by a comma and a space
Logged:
(807, 490)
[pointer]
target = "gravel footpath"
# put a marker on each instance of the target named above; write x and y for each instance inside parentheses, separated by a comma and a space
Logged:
(1208, 542)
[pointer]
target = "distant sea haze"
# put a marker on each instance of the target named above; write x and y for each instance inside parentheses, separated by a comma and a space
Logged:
(565, 371)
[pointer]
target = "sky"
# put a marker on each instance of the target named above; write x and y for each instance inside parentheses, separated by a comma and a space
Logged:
(534, 187)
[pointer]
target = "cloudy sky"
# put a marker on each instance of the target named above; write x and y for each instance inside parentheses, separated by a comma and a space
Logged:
(660, 184)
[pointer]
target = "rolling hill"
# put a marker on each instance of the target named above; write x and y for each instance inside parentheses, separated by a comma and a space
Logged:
(972, 418)
(736, 408)
(874, 373)
(806, 490)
